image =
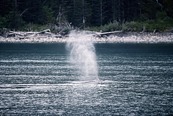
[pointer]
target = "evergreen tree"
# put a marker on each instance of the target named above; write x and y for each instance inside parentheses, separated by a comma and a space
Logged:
(80, 13)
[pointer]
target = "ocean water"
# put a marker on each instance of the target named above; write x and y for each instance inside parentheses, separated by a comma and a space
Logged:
(134, 79)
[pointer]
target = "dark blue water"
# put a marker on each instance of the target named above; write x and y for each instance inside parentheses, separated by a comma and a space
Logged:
(135, 79)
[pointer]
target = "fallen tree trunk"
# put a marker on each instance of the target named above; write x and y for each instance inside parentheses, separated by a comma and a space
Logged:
(44, 31)
(107, 33)
(23, 35)
(49, 34)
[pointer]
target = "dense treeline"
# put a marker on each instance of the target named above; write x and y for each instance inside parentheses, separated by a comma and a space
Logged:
(14, 14)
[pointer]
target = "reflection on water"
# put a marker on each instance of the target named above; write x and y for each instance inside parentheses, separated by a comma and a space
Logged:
(37, 79)
(49, 99)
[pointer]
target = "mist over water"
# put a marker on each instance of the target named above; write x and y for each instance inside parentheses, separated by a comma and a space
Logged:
(82, 55)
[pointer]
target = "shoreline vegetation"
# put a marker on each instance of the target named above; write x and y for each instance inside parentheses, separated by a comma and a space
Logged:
(46, 36)
(23, 19)
(149, 26)
(160, 31)
(159, 25)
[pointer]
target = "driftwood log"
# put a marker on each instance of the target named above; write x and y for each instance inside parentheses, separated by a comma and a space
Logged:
(99, 34)
(48, 33)
(23, 35)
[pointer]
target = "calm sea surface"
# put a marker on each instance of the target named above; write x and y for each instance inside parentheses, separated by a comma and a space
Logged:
(135, 79)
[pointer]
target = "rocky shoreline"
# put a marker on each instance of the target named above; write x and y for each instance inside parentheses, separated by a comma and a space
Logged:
(46, 36)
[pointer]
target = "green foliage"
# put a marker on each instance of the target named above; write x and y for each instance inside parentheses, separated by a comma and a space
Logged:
(149, 25)
(161, 15)
(160, 25)
(11, 20)
(14, 20)
(105, 28)
(111, 27)
(47, 15)
(3, 22)
(127, 15)
(34, 27)
(132, 26)
(167, 4)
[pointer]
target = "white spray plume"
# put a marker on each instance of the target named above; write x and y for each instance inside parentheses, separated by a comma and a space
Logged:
(82, 55)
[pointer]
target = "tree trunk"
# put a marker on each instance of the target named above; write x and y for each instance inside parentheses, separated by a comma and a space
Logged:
(101, 12)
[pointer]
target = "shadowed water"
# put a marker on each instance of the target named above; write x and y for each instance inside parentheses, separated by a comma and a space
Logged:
(38, 79)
